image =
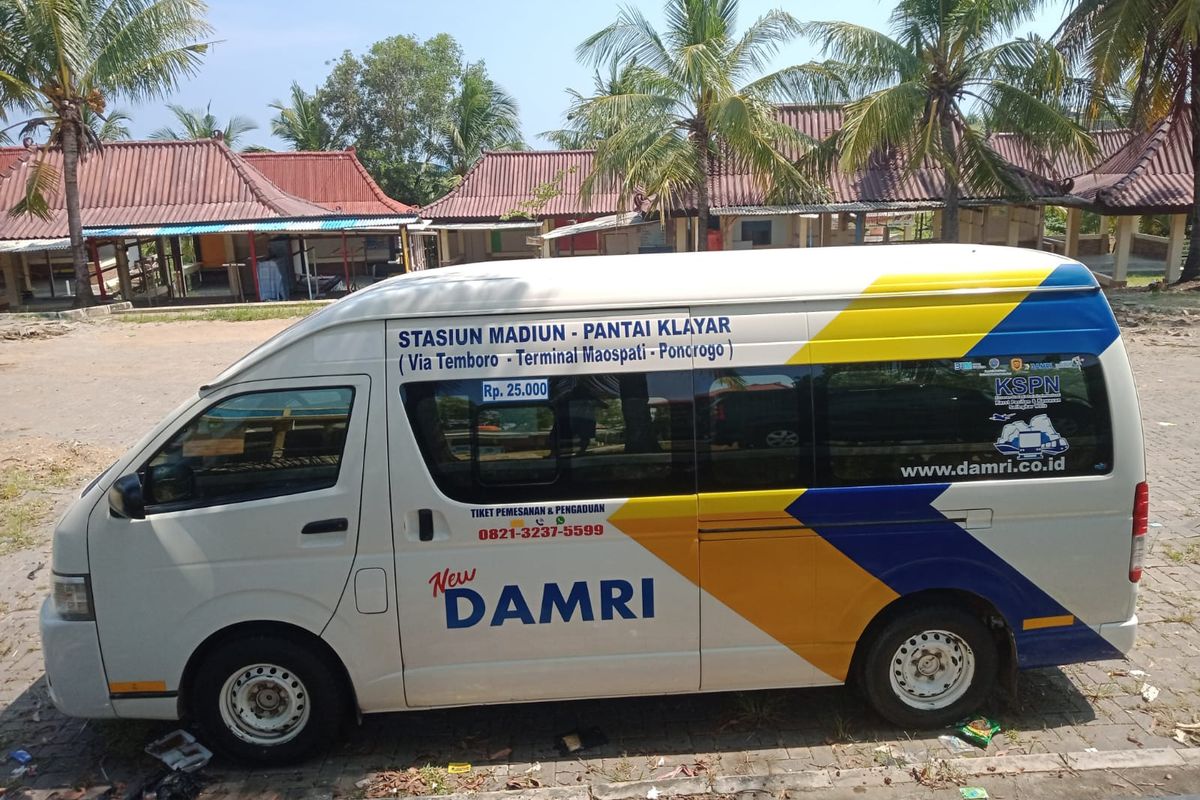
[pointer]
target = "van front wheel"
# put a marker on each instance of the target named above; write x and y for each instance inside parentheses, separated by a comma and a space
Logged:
(929, 667)
(267, 700)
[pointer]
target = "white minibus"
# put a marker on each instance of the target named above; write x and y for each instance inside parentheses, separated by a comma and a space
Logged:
(915, 468)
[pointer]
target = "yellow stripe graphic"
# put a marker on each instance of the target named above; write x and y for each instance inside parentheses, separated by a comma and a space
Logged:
(791, 584)
(873, 328)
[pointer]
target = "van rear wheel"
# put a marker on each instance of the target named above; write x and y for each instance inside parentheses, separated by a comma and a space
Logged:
(267, 700)
(929, 667)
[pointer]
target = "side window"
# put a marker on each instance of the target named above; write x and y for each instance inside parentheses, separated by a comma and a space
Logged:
(590, 436)
(945, 420)
(262, 444)
(754, 428)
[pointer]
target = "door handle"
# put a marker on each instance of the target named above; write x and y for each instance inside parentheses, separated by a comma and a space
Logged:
(425, 525)
(339, 525)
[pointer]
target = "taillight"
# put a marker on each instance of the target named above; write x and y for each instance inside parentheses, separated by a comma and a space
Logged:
(1141, 523)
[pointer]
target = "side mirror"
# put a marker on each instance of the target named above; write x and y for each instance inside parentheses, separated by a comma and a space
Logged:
(125, 498)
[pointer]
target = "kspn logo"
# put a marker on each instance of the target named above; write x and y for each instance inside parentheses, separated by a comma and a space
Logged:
(585, 601)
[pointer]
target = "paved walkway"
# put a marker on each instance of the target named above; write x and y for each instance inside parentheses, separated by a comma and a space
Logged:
(1073, 709)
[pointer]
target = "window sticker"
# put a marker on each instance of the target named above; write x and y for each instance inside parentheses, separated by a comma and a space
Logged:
(1035, 439)
(516, 389)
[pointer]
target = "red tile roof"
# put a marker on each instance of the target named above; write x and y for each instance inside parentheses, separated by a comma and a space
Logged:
(1151, 174)
(1059, 165)
(334, 179)
(152, 183)
(501, 181)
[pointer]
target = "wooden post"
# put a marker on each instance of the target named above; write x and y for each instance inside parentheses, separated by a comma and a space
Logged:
(1121, 253)
(443, 240)
(345, 262)
(177, 257)
(1013, 239)
(547, 246)
(123, 270)
(254, 270)
(1104, 237)
(935, 226)
(1071, 245)
(860, 227)
(680, 224)
(49, 273)
(1175, 246)
(99, 272)
(27, 280)
(802, 227)
(405, 255)
(12, 293)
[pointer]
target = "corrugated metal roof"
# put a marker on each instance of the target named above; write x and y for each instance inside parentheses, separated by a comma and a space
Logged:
(502, 181)
(499, 182)
(884, 183)
(1151, 174)
(1060, 164)
(10, 155)
(152, 183)
(335, 179)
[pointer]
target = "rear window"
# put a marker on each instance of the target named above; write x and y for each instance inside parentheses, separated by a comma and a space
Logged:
(961, 420)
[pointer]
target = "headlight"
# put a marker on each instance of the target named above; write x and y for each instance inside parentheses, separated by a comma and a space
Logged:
(73, 597)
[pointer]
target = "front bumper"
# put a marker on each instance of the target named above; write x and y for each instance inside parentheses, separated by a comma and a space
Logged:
(74, 668)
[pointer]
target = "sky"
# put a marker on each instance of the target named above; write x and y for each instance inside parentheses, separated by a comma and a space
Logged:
(528, 45)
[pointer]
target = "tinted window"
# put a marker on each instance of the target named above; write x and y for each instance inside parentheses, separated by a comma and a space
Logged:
(757, 231)
(753, 428)
(252, 446)
(944, 420)
(621, 435)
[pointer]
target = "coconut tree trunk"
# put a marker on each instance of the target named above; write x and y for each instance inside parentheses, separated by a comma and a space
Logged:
(70, 144)
(702, 201)
(1191, 267)
(951, 192)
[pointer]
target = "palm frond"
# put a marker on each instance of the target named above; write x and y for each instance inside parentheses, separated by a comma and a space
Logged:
(887, 119)
(864, 47)
(42, 181)
(761, 42)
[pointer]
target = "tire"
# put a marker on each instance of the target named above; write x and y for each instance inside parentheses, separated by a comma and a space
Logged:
(268, 700)
(929, 667)
(779, 437)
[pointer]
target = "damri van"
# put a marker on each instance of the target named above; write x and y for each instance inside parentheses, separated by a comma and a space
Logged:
(918, 468)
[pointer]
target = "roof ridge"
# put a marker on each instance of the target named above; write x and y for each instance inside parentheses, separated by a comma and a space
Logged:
(254, 180)
(384, 197)
(1154, 140)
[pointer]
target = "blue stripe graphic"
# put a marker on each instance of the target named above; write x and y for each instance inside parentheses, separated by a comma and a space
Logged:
(895, 534)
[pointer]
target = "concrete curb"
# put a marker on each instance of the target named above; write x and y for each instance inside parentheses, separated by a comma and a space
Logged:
(829, 778)
(185, 310)
(70, 313)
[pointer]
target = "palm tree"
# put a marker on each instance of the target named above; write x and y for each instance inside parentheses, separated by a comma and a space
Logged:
(946, 64)
(689, 95)
(302, 125)
(482, 117)
(68, 55)
(573, 136)
(111, 127)
(202, 124)
(1151, 47)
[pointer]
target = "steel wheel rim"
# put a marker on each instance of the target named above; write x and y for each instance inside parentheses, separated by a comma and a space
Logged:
(782, 438)
(264, 704)
(932, 670)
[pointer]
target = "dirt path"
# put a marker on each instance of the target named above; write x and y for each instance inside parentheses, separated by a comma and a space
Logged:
(104, 383)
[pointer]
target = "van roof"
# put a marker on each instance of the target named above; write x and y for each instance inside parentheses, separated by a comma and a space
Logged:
(689, 279)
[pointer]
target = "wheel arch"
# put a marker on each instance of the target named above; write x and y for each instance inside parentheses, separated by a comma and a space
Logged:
(261, 628)
(979, 606)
